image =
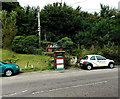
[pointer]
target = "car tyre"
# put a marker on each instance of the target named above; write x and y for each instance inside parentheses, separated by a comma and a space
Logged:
(89, 67)
(111, 65)
(8, 72)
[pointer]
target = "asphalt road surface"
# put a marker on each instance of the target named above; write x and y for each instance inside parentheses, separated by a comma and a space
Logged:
(66, 83)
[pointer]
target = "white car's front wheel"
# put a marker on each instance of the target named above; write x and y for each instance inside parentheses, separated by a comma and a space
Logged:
(111, 65)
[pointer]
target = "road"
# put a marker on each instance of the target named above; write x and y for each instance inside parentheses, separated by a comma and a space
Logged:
(66, 83)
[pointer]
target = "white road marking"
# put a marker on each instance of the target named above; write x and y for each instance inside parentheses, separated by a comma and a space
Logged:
(24, 91)
(15, 93)
(56, 89)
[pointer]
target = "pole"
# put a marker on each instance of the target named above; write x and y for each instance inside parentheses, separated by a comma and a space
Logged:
(39, 27)
(61, 1)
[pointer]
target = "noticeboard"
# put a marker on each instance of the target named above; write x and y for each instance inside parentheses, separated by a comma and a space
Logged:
(59, 57)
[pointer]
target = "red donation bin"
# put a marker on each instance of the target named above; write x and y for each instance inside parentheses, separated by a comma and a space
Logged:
(59, 60)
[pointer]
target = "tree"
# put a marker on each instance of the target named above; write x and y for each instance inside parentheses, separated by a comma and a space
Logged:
(84, 38)
(27, 21)
(10, 6)
(115, 31)
(9, 28)
(58, 19)
(106, 11)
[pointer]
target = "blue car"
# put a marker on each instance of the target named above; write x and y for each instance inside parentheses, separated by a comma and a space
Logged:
(8, 69)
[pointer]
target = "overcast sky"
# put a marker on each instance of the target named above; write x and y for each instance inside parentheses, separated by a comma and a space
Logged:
(87, 5)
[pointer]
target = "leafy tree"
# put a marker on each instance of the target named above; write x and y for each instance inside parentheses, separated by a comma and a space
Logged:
(9, 28)
(10, 6)
(60, 22)
(115, 31)
(57, 20)
(27, 21)
(106, 11)
(105, 31)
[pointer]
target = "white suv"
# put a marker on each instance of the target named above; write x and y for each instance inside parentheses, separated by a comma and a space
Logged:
(90, 61)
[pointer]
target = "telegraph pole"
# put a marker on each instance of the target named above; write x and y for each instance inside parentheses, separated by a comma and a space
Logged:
(39, 27)
(61, 1)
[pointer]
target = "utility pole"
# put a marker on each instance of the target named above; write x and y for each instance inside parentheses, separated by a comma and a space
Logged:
(61, 1)
(39, 27)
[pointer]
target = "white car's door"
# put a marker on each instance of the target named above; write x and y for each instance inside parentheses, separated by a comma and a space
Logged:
(93, 60)
(101, 61)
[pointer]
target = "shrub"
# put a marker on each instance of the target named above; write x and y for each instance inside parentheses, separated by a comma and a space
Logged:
(66, 43)
(75, 52)
(45, 43)
(67, 62)
(110, 52)
(25, 44)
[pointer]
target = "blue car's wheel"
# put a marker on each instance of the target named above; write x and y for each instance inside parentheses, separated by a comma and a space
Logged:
(8, 72)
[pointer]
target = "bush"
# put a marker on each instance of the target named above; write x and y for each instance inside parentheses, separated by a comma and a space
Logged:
(45, 43)
(75, 52)
(25, 44)
(67, 62)
(110, 52)
(66, 43)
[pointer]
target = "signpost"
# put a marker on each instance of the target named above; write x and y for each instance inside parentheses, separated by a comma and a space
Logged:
(59, 60)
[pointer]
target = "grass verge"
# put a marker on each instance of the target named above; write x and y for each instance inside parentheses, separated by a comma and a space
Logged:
(27, 62)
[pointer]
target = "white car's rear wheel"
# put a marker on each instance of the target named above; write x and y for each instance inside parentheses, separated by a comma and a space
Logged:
(89, 67)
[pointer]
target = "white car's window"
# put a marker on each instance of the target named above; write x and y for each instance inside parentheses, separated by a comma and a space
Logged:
(100, 58)
(92, 58)
(85, 58)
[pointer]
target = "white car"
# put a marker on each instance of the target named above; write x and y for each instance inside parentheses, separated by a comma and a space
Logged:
(90, 61)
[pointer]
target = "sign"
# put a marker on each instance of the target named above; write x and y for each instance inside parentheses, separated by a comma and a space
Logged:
(59, 57)
(59, 61)
(60, 66)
